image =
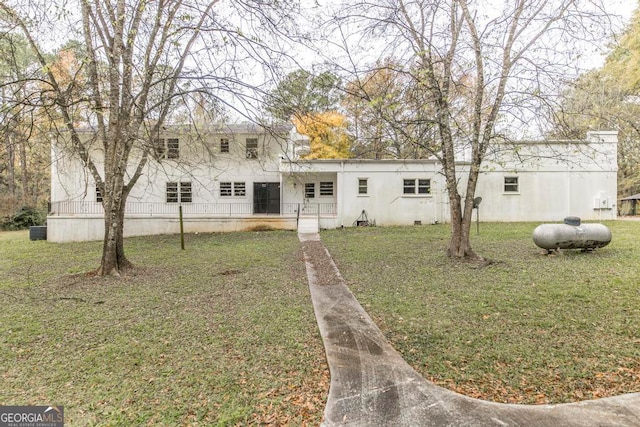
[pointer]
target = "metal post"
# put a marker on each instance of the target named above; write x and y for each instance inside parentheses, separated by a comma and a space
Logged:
(181, 228)
(476, 206)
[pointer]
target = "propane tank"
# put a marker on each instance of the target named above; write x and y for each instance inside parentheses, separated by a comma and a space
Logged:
(571, 235)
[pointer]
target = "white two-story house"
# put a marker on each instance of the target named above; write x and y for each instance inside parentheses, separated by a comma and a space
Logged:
(243, 177)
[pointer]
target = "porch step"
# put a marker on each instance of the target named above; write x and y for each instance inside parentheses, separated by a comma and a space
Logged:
(308, 225)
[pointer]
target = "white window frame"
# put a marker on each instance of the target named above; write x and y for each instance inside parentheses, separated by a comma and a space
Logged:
(363, 184)
(178, 192)
(172, 192)
(408, 186)
(225, 146)
(167, 148)
(424, 186)
(233, 189)
(326, 188)
(514, 185)
(186, 192)
(420, 187)
(226, 189)
(309, 190)
(239, 189)
(251, 145)
(173, 148)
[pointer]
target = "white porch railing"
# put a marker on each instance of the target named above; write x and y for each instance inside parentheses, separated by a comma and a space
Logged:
(213, 209)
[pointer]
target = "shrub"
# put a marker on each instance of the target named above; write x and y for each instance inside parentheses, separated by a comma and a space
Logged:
(24, 218)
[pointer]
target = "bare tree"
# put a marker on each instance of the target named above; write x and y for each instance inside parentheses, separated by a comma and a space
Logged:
(476, 69)
(16, 62)
(384, 108)
(139, 57)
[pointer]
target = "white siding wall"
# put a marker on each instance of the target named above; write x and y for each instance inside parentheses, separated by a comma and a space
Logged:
(555, 180)
(547, 196)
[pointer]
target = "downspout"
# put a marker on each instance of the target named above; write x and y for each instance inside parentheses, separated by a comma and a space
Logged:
(436, 203)
(569, 189)
(341, 190)
(281, 186)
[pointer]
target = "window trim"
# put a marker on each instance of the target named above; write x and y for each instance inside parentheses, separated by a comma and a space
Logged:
(159, 148)
(166, 148)
(181, 191)
(408, 186)
(227, 191)
(224, 145)
(312, 187)
(416, 187)
(178, 192)
(251, 151)
(515, 184)
(172, 148)
(326, 189)
(232, 189)
(361, 186)
(239, 189)
(423, 184)
(171, 192)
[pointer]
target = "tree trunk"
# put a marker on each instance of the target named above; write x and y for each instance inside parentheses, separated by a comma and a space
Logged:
(459, 245)
(24, 173)
(114, 260)
(461, 216)
(123, 262)
(11, 165)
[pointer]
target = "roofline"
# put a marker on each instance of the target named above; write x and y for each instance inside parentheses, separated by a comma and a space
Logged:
(370, 161)
(215, 128)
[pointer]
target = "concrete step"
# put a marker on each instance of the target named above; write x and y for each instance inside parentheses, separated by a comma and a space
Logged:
(308, 225)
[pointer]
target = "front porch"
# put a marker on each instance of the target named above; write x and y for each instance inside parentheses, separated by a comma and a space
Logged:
(84, 221)
(79, 208)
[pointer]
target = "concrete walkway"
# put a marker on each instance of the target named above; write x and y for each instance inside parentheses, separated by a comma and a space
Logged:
(371, 385)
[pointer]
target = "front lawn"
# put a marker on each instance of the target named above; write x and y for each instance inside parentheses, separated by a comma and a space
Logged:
(222, 333)
(528, 328)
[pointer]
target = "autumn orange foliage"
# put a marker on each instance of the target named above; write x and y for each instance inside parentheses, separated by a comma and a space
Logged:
(328, 134)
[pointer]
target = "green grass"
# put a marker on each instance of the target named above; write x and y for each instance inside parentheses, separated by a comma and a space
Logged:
(528, 328)
(222, 333)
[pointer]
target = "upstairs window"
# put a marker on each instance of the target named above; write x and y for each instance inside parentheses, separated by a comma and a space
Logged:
(326, 188)
(167, 148)
(252, 148)
(511, 184)
(179, 192)
(224, 145)
(99, 197)
(173, 148)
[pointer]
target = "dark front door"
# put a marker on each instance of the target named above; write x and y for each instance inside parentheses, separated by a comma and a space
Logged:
(266, 197)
